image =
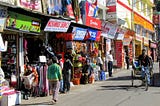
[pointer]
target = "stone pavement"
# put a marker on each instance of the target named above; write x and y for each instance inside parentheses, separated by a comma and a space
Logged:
(42, 100)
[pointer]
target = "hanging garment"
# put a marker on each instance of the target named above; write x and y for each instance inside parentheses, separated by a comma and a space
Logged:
(43, 85)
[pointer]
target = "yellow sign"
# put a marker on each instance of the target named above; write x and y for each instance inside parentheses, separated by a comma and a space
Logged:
(141, 21)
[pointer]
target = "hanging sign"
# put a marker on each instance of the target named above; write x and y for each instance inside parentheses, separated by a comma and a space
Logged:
(55, 25)
(93, 22)
(21, 22)
(109, 30)
(79, 33)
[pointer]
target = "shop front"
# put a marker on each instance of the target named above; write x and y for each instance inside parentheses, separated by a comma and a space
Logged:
(18, 26)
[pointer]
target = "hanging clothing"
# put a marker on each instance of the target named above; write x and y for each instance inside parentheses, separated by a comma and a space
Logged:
(43, 84)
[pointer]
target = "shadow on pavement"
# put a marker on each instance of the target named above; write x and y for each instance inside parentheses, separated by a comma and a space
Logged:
(37, 104)
(119, 87)
(119, 78)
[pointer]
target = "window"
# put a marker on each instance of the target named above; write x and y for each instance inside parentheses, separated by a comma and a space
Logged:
(144, 33)
(138, 29)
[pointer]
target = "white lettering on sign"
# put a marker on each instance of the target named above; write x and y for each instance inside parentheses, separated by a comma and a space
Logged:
(92, 34)
(57, 25)
(93, 23)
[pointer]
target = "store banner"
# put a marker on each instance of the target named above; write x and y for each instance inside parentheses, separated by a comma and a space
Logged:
(109, 30)
(34, 5)
(21, 22)
(93, 34)
(143, 22)
(79, 33)
(55, 25)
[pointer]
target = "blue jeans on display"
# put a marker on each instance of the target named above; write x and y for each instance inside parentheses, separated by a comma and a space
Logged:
(145, 70)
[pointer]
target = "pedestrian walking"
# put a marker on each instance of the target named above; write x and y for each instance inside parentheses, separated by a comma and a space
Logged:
(127, 59)
(110, 63)
(67, 73)
(54, 76)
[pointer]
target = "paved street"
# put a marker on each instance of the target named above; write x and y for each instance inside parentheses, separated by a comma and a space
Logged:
(116, 91)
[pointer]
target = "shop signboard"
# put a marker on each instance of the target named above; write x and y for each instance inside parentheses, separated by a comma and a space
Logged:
(79, 33)
(21, 22)
(34, 5)
(93, 34)
(55, 25)
(93, 22)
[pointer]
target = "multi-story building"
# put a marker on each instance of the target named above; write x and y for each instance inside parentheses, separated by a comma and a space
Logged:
(135, 16)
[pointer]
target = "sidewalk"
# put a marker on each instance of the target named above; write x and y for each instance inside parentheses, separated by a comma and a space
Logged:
(40, 100)
(35, 101)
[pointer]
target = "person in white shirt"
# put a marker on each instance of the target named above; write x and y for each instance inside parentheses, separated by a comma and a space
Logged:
(110, 63)
(100, 62)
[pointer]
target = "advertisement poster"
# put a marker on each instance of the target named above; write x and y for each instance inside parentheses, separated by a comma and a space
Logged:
(34, 5)
(3, 15)
(22, 22)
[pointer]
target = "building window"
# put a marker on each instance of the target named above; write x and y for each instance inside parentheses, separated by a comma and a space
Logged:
(144, 33)
(138, 29)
